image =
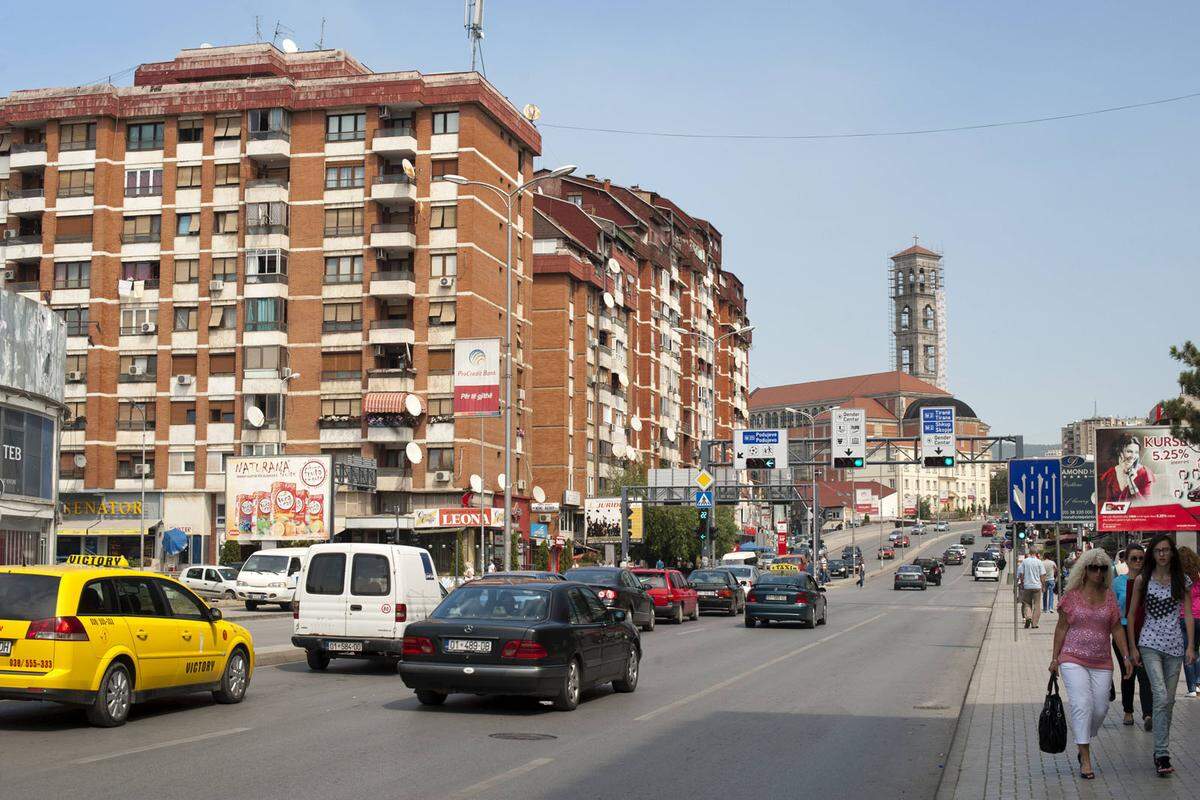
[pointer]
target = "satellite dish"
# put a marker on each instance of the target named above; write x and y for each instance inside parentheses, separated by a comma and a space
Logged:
(608, 300)
(412, 404)
(531, 112)
(501, 480)
(476, 483)
(635, 423)
(539, 494)
(80, 460)
(205, 45)
(623, 379)
(614, 266)
(288, 46)
(408, 169)
(618, 449)
(670, 435)
(412, 451)
(255, 416)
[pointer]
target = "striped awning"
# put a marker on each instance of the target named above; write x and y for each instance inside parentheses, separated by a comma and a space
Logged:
(384, 402)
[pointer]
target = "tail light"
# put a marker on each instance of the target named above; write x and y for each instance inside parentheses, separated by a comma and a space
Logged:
(401, 612)
(416, 646)
(752, 598)
(295, 609)
(59, 629)
(724, 593)
(607, 594)
(525, 651)
(801, 598)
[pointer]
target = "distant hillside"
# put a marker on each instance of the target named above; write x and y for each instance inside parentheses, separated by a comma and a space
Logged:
(1039, 450)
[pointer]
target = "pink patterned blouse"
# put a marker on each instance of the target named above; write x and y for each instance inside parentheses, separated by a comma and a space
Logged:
(1088, 640)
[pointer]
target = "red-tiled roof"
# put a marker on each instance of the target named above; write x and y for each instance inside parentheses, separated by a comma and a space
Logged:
(571, 218)
(835, 389)
(833, 494)
(917, 250)
(875, 410)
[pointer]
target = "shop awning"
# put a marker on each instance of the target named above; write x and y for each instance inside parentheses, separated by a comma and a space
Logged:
(384, 403)
(108, 527)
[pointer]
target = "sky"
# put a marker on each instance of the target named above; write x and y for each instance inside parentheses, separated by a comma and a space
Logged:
(1067, 244)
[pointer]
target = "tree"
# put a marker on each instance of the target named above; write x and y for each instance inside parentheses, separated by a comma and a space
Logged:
(923, 509)
(1184, 411)
(998, 487)
(231, 552)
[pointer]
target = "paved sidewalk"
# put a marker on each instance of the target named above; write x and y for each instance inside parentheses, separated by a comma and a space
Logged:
(995, 751)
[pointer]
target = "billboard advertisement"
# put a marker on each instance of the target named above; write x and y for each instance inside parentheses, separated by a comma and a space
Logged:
(458, 517)
(1078, 475)
(278, 498)
(602, 520)
(1146, 480)
(477, 378)
(866, 502)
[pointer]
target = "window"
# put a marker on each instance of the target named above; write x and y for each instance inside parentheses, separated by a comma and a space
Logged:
(440, 407)
(137, 598)
(76, 318)
(144, 136)
(906, 359)
(341, 365)
(225, 269)
(346, 176)
(138, 368)
(76, 183)
(183, 364)
(127, 464)
(182, 463)
(67, 468)
(370, 575)
(269, 123)
(225, 222)
(145, 271)
(442, 313)
(266, 403)
(73, 229)
(441, 361)
(222, 318)
(185, 318)
(342, 407)
(575, 199)
(228, 174)
(342, 317)
(77, 362)
(182, 603)
(187, 270)
(343, 269)
(77, 136)
(130, 416)
(228, 128)
(266, 266)
(343, 221)
(134, 318)
(346, 127)
(191, 130)
(262, 358)
(143, 182)
(187, 224)
(187, 177)
(326, 574)
(266, 314)
(441, 264)
(221, 363)
(444, 166)
(445, 122)
(403, 266)
(443, 217)
(441, 458)
(905, 315)
(928, 317)
(267, 218)
(141, 229)
(930, 359)
(217, 460)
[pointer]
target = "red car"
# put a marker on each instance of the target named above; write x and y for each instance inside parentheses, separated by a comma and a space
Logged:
(902, 540)
(886, 552)
(988, 529)
(673, 598)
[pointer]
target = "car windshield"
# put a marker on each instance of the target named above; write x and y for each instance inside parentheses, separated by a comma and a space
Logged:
(837, 562)
(740, 572)
(987, 564)
(778, 579)
(707, 577)
(910, 568)
(257, 563)
(27, 597)
(227, 573)
(495, 602)
(603, 577)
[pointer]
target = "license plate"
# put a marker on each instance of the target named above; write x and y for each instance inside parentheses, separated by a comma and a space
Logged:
(468, 646)
(5, 647)
(777, 597)
(707, 594)
(344, 647)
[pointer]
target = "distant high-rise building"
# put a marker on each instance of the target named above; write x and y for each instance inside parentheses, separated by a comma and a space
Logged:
(1079, 437)
(918, 314)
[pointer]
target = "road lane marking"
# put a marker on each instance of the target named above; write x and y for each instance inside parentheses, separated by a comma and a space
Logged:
(484, 785)
(160, 745)
(716, 687)
(692, 630)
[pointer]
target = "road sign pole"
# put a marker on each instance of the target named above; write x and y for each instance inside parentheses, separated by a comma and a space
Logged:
(705, 463)
(625, 524)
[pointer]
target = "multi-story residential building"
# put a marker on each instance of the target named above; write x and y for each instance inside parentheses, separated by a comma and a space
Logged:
(630, 308)
(253, 253)
(1079, 437)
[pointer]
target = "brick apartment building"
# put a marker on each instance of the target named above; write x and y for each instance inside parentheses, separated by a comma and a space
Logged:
(631, 361)
(237, 230)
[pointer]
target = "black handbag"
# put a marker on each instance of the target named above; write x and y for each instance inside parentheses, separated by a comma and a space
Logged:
(1052, 724)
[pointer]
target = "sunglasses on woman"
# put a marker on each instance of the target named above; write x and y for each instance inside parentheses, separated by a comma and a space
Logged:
(1101, 568)
(1135, 559)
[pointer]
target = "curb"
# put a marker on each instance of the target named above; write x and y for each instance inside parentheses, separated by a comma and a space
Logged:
(273, 658)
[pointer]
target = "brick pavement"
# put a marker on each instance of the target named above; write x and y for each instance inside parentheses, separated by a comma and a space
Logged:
(995, 752)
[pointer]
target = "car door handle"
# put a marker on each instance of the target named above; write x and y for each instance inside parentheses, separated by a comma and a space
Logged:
(355, 607)
(187, 635)
(141, 634)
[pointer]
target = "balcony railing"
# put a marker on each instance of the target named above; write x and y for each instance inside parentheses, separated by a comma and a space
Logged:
(392, 227)
(21, 286)
(145, 377)
(395, 275)
(276, 133)
(398, 129)
(400, 178)
(345, 136)
(267, 229)
(340, 375)
(338, 421)
(76, 191)
(84, 144)
(72, 238)
(348, 183)
(140, 238)
(73, 283)
(267, 183)
(341, 326)
(343, 230)
(135, 425)
(143, 191)
(266, 325)
(343, 278)
(266, 277)
(76, 424)
(25, 238)
(22, 194)
(147, 283)
(28, 147)
(392, 324)
(148, 144)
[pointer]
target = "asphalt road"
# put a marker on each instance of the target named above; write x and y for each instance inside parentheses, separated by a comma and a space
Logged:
(864, 707)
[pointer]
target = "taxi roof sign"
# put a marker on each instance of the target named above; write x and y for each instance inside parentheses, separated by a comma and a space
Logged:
(98, 561)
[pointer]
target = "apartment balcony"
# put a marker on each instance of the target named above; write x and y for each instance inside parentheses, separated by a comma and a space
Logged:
(391, 380)
(3, 211)
(26, 201)
(393, 190)
(397, 141)
(394, 428)
(269, 146)
(267, 190)
(23, 248)
(391, 331)
(24, 157)
(393, 479)
(393, 284)
(393, 236)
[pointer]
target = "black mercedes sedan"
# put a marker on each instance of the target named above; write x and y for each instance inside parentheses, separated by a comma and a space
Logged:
(618, 588)
(932, 569)
(839, 568)
(548, 640)
(718, 590)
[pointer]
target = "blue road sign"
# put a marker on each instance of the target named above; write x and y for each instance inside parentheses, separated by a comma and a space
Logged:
(1035, 489)
(704, 499)
(760, 437)
(936, 420)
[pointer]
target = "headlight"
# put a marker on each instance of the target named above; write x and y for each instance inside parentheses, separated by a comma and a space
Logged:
(241, 583)
(276, 585)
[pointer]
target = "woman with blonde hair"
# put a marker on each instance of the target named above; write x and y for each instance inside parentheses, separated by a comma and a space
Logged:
(1191, 568)
(1088, 621)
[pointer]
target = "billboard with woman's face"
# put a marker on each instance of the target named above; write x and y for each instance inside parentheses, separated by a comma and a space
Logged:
(1146, 480)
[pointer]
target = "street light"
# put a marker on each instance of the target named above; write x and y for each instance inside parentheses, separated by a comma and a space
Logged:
(283, 382)
(508, 198)
(812, 447)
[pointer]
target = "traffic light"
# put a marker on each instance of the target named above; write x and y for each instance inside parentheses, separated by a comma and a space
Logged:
(847, 463)
(760, 463)
(939, 461)
(702, 525)
(1021, 531)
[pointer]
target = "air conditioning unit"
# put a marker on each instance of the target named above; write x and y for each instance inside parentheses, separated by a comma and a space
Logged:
(10, 274)
(135, 370)
(74, 376)
(185, 380)
(544, 517)
(285, 372)
(149, 327)
(445, 282)
(141, 469)
(385, 112)
(216, 286)
(10, 233)
(442, 476)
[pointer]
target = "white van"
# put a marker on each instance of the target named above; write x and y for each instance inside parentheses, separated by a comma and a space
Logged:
(270, 576)
(355, 600)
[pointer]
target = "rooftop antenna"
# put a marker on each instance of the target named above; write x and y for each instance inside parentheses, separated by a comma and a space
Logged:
(321, 41)
(281, 30)
(257, 28)
(473, 22)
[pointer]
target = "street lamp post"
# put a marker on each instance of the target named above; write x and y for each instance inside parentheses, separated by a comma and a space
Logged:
(508, 198)
(812, 449)
(283, 382)
(141, 407)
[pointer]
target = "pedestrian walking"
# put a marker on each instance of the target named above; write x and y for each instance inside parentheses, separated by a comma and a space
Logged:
(659, 564)
(1030, 573)
(469, 571)
(1050, 582)
(862, 575)
(1161, 593)
(1135, 558)
(1088, 620)
(1122, 563)
(1191, 569)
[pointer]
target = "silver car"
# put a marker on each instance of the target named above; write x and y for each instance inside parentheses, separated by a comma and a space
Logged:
(210, 581)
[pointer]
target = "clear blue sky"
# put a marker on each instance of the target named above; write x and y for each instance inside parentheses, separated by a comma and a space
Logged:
(1069, 245)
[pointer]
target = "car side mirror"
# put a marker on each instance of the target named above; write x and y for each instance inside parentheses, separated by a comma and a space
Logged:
(821, 589)
(214, 614)
(616, 614)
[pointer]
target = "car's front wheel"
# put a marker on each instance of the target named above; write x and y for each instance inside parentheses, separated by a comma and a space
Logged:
(429, 698)
(110, 709)
(235, 679)
(568, 694)
(251, 605)
(629, 678)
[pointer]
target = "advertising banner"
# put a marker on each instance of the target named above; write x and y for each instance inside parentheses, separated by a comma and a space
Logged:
(1146, 480)
(477, 378)
(426, 518)
(602, 520)
(278, 497)
(910, 505)
(1078, 476)
(865, 502)
(539, 531)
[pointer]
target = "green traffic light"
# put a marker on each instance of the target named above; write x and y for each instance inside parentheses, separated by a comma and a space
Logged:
(858, 462)
(949, 461)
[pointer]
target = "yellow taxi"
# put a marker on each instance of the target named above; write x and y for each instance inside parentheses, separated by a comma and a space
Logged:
(97, 635)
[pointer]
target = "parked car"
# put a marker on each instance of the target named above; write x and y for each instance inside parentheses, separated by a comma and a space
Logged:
(787, 597)
(210, 581)
(673, 598)
(986, 570)
(355, 600)
(533, 574)
(550, 640)
(618, 588)
(909, 576)
(270, 576)
(932, 569)
(718, 590)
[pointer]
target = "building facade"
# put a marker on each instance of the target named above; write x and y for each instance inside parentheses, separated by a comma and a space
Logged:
(1079, 437)
(917, 287)
(253, 253)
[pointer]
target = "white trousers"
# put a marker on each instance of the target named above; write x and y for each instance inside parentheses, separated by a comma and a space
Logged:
(1087, 699)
